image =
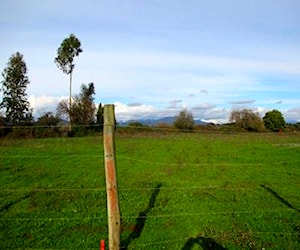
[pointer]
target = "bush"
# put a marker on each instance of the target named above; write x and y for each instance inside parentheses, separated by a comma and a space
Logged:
(184, 121)
(247, 120)
(46, 126)
(50, 131)
(22, 132)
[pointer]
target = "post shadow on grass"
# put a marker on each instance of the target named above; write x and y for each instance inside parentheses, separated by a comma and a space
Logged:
(278, 197)
(141, 219)
(205, 243)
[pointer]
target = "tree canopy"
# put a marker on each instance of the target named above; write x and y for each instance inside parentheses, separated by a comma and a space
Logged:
(14, 84)
(274, 121)
(69, 48)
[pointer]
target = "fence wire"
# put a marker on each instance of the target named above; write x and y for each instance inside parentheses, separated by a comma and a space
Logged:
(149, 216)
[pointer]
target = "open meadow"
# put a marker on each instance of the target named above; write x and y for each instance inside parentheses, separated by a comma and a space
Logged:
(176, 191)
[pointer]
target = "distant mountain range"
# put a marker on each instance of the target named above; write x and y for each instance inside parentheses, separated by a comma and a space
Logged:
(171, 119)
(152, 122)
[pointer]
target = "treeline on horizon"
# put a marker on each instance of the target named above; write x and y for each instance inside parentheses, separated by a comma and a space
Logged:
(80, 115)
(50, 125)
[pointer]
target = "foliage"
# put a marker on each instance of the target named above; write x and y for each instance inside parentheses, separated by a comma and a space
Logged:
(46, 126)
(83, 108)
(184, 121)
(14, 86)
(274, 121)
(248, 120)
(69, 48)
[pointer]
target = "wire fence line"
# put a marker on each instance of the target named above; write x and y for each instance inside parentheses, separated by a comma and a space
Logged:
(53, 156)
(49, 126)
(123, 157)
(257, 211)
(204, 164)
(235, 186)
(166, 127)
(120, 157)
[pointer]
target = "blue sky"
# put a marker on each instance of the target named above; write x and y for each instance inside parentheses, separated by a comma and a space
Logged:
(153, 58)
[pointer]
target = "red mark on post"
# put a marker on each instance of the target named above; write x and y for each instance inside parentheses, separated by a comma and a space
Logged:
(102, 245)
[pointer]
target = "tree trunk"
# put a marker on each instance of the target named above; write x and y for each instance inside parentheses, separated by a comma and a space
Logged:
(70, 103)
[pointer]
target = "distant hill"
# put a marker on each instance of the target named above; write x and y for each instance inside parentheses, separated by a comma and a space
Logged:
(153, 122)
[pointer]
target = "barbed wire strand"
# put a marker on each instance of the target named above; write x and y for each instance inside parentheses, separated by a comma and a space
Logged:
(203, 164)
(285, 210)
(236, 186)
(207, 128)
(52, 156)
(151, 162)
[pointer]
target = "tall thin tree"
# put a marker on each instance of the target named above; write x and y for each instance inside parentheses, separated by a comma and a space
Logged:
(14, 84)
(69, 48)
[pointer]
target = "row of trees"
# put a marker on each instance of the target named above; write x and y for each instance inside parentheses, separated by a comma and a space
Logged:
(243, 120)
(79, 110)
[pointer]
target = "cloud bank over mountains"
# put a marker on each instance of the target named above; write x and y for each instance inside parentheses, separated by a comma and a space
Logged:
(206, 112)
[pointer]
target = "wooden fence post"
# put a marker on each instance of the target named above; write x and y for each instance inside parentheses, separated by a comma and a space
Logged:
(113, 209)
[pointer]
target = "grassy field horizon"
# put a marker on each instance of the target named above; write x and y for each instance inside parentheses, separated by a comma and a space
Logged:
(176, 191)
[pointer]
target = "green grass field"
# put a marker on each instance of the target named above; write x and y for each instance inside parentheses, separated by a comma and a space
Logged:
(176, 191)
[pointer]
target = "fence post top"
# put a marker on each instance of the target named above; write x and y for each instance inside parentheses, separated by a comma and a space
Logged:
(109, 115)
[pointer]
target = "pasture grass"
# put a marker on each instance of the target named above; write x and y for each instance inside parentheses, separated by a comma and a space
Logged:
(176, 191)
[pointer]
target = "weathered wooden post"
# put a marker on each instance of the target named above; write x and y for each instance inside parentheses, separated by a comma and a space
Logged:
(113, 209)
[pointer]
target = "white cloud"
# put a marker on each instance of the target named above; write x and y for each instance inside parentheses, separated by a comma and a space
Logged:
(43, 103)
(128, 112)
(292, 115)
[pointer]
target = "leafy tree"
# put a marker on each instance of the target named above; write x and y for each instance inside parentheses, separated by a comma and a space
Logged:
(246, 119)
(83, 109)
(83, 112)
(14, 84)
(274, 121)
(184, 121)
(69, 48)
